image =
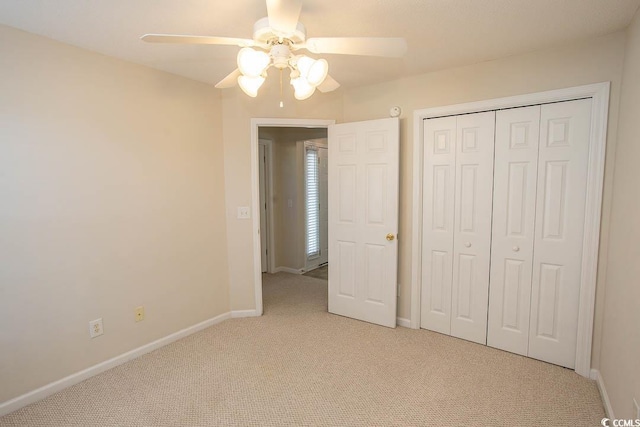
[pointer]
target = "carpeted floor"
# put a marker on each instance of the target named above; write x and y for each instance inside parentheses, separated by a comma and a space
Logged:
(319, 273)
(301, 366)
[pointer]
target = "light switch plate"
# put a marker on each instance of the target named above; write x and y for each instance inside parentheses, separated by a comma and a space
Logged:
(243, 212)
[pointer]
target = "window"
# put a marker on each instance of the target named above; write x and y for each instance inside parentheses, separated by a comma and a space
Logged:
(312, 203)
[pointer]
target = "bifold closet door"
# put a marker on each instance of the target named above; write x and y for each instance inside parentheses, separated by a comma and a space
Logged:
(437, 223)
(472, 226)
(457, 194)
(559, 229)
(514, 207)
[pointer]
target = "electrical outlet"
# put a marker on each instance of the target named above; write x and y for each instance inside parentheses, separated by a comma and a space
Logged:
(95, 328)
(635, 403)
(139, 313)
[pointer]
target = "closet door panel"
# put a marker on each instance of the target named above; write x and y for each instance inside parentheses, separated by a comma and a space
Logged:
(514, 206)
(472, 225)
(560, 209)
(437, 223)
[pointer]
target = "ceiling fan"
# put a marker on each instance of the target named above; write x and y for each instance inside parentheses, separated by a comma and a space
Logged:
(276, 41)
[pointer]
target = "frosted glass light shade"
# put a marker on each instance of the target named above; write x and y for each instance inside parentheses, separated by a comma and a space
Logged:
(314, 71)
(252, 62)
(250, 85)
(318, 72)
(301, 88)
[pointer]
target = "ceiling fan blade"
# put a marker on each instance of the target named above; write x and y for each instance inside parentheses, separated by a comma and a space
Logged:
(328, 85)
(183, 39)
(229, 81)
(283, 15)
(367, 46)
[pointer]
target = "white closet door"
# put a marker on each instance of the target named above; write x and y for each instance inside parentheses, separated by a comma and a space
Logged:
(437, 219)
(514, 207)
(560, 208)
(472, 225)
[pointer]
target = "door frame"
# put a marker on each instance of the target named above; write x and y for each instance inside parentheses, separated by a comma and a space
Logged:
(268, 151)
(256, 123)
(599, 93)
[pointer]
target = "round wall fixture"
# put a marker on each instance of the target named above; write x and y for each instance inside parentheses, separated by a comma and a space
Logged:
(395, 111)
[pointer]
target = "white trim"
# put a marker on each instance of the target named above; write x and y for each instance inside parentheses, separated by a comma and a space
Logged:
(288, 270)
(271, 246)
(236, 314)
(255, 194)
(401, 321)
(595, 375)
(54, 387)
(599, 93)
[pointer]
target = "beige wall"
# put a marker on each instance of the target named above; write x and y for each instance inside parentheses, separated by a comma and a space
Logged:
(620, 350)
(237, 111)
(111, 189)
(593, 61)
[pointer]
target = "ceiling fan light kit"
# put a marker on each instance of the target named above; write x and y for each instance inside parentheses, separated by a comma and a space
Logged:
(306, 73)
(302, 89)
(275, 39)
(252, 62)
(250, 85)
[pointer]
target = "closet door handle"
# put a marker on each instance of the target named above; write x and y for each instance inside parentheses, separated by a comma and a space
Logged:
(467, 244)
(516, 248)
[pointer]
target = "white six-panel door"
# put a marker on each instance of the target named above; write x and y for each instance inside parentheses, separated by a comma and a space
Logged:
(560, 208)
(458, 183)
(363, 220)
(514, 207)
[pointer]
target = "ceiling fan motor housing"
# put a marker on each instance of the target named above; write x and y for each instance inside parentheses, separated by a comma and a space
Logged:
(280, 54)
(262, 32)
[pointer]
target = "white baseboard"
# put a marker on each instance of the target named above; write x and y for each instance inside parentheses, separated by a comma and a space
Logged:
(287, 270)
(595, 375)
(244, 313)
(401, 321)
(54, 387)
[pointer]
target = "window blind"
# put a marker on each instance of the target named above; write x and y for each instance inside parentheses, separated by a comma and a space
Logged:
(312, 203)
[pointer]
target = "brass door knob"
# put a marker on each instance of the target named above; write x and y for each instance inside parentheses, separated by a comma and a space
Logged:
(390, 237)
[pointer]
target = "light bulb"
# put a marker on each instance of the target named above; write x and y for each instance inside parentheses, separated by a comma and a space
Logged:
(302, 88)
(250, 85)
(304, 64)
(252, 62)
(314, 71)
(318, 72)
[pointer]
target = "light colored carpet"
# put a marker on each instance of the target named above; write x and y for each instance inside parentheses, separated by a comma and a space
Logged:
(301, 366)
(319, 273)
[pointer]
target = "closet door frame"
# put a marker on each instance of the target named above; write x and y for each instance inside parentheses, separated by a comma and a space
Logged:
(599, 93)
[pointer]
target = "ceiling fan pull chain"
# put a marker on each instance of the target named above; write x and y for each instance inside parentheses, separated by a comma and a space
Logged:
(281, 103)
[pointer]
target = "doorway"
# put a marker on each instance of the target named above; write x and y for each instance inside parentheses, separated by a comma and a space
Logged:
(271, 129)
(293, 198)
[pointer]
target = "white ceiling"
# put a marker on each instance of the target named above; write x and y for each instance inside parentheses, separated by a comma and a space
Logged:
(440, 33)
